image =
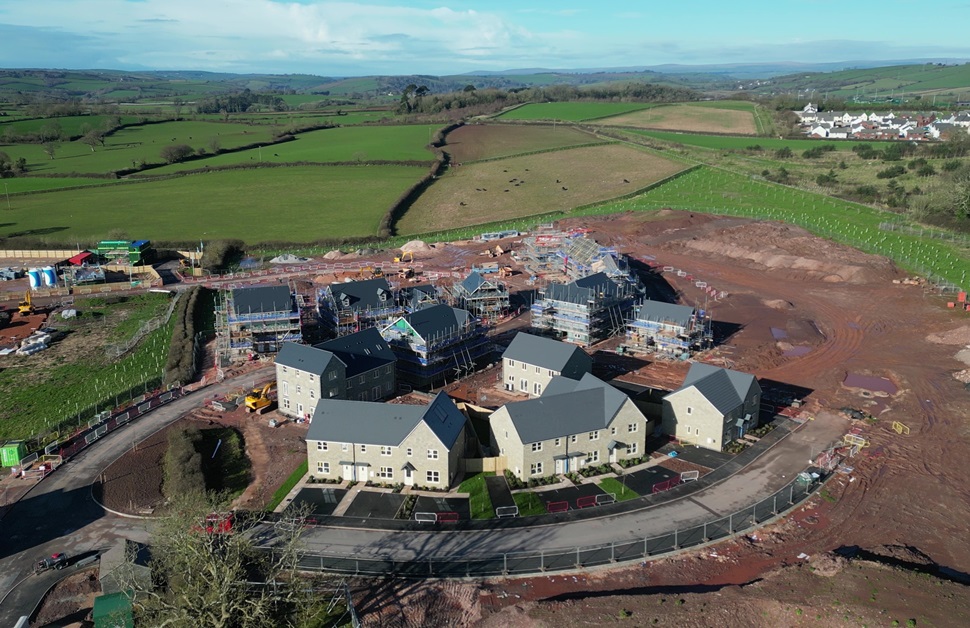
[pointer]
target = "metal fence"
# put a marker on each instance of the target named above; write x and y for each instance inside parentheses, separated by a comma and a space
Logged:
(532, 562)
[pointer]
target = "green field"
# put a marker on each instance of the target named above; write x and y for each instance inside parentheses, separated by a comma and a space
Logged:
(74, 374)
(293, 204)
(571, 111)
(33, 184)
(529, 504)
(70, 125)
(727, 142)
(370, 143)
(720, 192)
(898, 80)
(479, 502)
(618, 489)
(133, 145)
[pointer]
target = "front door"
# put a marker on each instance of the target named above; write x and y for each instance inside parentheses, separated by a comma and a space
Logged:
(613, 455)
(408, 477)
(348, 472)
(559, 466)
(361, 473)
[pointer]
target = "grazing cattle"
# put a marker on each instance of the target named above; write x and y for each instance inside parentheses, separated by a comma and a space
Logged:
(625, 181)
(564, 188)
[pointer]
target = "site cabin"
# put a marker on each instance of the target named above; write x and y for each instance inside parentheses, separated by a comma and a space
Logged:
(12, 452)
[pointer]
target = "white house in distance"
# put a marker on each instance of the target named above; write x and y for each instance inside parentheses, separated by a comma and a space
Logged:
(531, 362)
(713, 407)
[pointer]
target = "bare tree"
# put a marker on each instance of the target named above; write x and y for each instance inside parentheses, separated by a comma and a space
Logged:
(177, 105)
(50, 148)
(92, 138)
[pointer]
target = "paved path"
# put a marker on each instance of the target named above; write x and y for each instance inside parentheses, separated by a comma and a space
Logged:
(60, 515)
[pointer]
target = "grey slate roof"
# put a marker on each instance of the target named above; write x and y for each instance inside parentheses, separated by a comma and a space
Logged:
(546, 353)
(582, 290)
(363, 295)
(724, 388)
(262, 299)
(419, 297)
(360, 352)
(437, 320)
(571, 408)
(371, 423)
(304, 358)
(472, 282)
(660, 312)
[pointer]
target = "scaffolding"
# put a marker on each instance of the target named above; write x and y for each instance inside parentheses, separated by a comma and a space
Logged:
(448, 355)
(482, 297)
(678, 330)
(242, 330)
(573, 255)
(340, 320)
(584, 312)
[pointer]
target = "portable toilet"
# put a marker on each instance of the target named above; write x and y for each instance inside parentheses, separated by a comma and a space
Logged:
(12, 452)
(34, 276)
(49, 275)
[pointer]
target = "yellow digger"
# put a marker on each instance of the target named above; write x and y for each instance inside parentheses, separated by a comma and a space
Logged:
(26, 307)
(259, 400)
(404, 258)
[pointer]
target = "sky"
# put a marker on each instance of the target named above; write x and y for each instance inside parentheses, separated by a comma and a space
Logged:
(452, 37)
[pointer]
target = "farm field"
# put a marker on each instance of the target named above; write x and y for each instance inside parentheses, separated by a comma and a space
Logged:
(683, 117)
(137, 144)
(363, 143)
(473, 142)
(552, 181)
(720, 192)
(721, 142)
(75, 373)
(571, 111)
(70, 125)
(35, 184)
(333, 202)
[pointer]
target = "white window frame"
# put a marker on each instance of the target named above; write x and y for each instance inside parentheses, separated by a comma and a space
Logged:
(433, 477)
(633, 428)
(323, 468)
(386, 473)
(322, 445)
(410, 452)
(558, 442)
(385, 450)
(536, 468)
(537, 446)
(594, 435)
(363, 449)
(632, 448)
(432, 454)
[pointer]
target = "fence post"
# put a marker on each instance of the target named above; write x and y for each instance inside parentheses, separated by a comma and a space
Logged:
(754, 515)
(578, 564)
(505, 564)
(356, 566)
(645, 551)
(706, 539)
(676, 542)
(791, 494)
(731, 523)
(542, 560)
(613, 552)
(774, 505)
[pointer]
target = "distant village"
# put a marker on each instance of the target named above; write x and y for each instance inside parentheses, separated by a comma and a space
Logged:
(881, 126)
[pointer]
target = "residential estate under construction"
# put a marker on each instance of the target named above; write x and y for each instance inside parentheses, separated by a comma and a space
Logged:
(584, 311)
(259, 320)
(483, 297)
(349, 307)
(551, 253)
(668, 328)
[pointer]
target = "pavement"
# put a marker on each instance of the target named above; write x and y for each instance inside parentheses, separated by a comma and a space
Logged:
(59, 513)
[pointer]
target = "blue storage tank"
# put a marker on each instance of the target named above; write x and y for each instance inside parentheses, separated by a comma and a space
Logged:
(49, 275)
(33, 275)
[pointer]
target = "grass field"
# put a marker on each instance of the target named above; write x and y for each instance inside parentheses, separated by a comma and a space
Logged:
(135, 144)
(70, 125)
(559, 180)
(617, 488)
(34, 184)
(529, 504)
(355, 143)
(473, 141)
(683, 117)
(51, 387)
(571, 111)
(479, 502)
(724, 142)
(252, 205)
(287, 486)
(721, 192)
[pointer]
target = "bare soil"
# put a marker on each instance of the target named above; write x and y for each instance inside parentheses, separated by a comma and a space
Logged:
(479, 141)
(70, 602)
(688, 118)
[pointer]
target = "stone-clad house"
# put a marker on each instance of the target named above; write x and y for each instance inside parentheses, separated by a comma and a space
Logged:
(573, 424)
(530, 363)
(387, 443)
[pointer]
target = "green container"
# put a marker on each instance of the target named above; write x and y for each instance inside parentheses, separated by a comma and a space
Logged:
(12, 452)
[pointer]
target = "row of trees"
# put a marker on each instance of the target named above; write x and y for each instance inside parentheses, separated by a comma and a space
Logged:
(240, 102)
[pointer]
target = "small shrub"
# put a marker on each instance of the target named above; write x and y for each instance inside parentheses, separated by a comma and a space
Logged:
(783, 153)
(951, 165)
(926, 171)
(624, 613)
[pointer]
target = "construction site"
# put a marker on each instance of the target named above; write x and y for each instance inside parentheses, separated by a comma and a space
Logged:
(351, 306)
(668, 328)
(482, 296)
(558, 255)
(254, 321)
(584, 311)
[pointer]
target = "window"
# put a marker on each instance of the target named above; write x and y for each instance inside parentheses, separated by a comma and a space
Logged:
(377, 374)
(523, 384)
(386, 472)
(511, 362)
(388, 369)
(633, 427)
(312, 377)
(613, 430)
(523, 366)
(631, 449)
(572, 439)
(385, 450)
(536, 468)
(537, 446)
(286, 403)
(593, 456)
(323, 467)
(286, 388)
(550, 372)
(285, 371)
(689, 409)
(299, 408)
(432, 454)
(321, 445)
(313, 410)
(363, 449)
(333, 375)
(299, 389)
(410, 452)
(312, 394)
(558, 442)
(333, 392)
(538, 370)
(512, 378)
(595, 435)
(433, 477)
(343, 446)
(537, 388)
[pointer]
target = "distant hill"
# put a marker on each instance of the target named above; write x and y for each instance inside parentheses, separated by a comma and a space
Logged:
(924, 79)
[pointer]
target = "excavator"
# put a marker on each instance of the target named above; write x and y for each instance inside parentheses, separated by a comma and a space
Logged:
(26, 307)
(404, 258)
(258, 400)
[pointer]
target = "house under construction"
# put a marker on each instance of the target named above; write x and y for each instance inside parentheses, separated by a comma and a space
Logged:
(349, 307)
(436, 345)
(584, 311)
(259, 320)
(483, 297)
(668, 328)
(573, 255)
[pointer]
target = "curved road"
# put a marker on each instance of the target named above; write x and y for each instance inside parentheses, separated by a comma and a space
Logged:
(60, 515)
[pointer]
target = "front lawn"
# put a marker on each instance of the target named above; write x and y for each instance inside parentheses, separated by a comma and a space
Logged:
(479, 502)
(529, 504)
(617, 488)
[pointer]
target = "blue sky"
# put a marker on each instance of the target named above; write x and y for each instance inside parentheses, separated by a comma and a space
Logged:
(441, 37)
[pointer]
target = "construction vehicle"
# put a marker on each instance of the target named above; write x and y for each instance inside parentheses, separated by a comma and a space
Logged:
(505, 271)
(259, 400)
(406, 257)
(405, 273)
(373, 271)
(26, 307)
(54, 561)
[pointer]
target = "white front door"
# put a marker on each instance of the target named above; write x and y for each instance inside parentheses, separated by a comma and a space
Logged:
(559, 465)
(362, 473)
(613, 455)
(348, 472)
(408, 477)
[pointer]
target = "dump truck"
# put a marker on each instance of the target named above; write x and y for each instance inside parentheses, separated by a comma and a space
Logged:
(54, 561)
(259, 400)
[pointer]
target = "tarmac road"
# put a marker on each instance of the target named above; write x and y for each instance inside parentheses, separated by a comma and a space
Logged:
(59, 515)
